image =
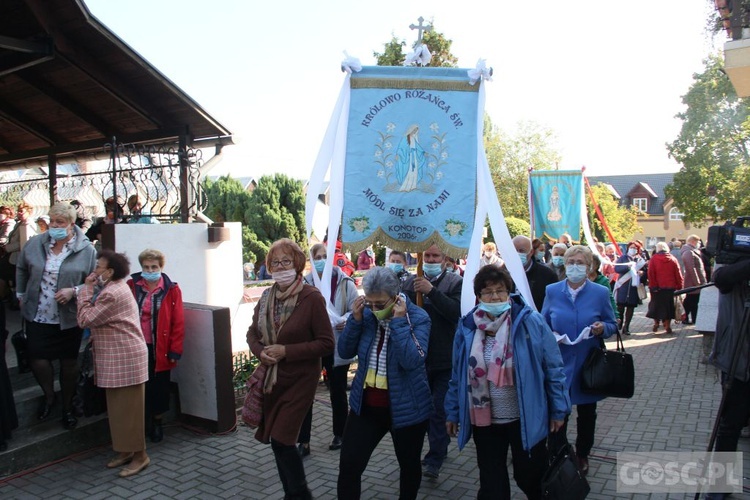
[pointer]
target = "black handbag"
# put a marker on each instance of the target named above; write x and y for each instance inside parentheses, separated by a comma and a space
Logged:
(21, 346)
(609, 373)
(563, 479)
(89, 398)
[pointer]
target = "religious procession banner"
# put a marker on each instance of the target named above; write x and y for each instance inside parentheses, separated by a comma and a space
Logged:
(555, 202)
(411, 159)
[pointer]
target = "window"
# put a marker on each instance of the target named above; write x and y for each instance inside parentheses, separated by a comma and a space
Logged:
(675, 214)
(641, 204)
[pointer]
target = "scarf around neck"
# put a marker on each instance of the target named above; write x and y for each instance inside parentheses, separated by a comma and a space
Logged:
(500, 369)
(276, 307)
(377, 361)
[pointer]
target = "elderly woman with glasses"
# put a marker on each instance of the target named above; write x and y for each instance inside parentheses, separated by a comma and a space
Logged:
(289, 334)
(390, 392)
(580, 313)
(507, 388)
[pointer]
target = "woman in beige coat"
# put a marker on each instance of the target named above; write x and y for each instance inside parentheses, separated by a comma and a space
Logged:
(107, 307)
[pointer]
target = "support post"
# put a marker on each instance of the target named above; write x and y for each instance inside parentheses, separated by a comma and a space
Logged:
(52, 164)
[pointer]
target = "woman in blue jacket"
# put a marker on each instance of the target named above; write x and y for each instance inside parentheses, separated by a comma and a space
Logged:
(571, 306)
(390, 391)
(507, 387)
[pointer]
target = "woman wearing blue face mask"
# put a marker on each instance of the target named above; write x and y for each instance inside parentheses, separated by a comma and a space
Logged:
(49, 269)
(390, 393)
(631, 267)
(571, 307)
(162, 319)
(507, 388)
(343, 294)
(557, 261)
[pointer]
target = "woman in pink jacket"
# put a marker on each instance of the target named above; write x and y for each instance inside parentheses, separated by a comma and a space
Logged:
(106, 306)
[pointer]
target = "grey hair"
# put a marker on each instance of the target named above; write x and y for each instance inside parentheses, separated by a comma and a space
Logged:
(63, 209)
(662, 247)
(582, 250)
(381, 279)
(560, 246)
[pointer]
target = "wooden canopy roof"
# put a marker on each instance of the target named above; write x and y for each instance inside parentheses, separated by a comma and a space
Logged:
(68, 85)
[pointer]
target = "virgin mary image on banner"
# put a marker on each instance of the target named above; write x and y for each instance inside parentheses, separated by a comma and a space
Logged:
(410, 160)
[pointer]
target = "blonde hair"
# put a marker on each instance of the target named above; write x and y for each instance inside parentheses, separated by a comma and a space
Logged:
(588, 255)
(151, 254)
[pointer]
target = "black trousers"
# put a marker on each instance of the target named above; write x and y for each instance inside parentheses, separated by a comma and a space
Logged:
(734, 417)
(337, 380)
(492, 454)
(291, 471)
(586, 422)
(362, 435)
(690, 303)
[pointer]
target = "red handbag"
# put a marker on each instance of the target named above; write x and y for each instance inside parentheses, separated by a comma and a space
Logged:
(252, 409)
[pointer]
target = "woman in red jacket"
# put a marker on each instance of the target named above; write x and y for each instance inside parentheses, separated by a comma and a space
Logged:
(664, 277)
(163, 323)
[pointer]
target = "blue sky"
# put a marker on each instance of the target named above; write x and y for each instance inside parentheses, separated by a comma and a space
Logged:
(606, 77)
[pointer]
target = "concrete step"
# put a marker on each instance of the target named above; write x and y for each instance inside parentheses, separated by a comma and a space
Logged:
(48, 441)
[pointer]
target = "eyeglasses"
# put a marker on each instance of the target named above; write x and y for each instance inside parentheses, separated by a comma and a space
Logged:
(488, 294)
(378, 306)
(281, 263)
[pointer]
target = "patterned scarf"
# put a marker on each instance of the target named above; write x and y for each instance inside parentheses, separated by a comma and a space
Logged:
(275, 308)
(377, 372)
(499, 371)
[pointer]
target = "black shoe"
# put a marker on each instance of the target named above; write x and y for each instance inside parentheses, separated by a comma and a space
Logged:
(303, 449)
(431, 471)
(157, 432)
(583, 464)
(69, 421)
(336, 443)
(626, 332)
(45, 409)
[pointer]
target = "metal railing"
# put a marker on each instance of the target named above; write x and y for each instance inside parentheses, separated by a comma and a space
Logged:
(165, 178)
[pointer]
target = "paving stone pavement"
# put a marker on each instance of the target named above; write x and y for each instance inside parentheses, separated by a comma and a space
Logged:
(673, 409)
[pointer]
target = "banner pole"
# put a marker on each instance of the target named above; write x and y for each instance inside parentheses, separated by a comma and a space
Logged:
(420, 273)
(601, 216)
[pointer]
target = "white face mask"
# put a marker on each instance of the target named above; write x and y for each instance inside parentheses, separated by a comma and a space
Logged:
(632, 252)
(285, 278)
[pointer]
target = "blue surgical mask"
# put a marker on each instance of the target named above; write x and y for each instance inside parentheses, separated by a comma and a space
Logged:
(575, 272)
(396, 267)
(558, 260)
(540, 256)
(494, 308)
(319, 265)
(151, 276)
(431, 270)
(632, 252)
(524, 258)
(58, 233)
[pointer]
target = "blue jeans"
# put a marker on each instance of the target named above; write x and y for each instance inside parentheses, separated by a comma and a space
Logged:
(437, 434)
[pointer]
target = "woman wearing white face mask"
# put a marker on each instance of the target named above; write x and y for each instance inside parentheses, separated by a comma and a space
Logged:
(49, 268)
(630, 267)
(343, 294)
(507, 376)
(289, 334)
(572, 306)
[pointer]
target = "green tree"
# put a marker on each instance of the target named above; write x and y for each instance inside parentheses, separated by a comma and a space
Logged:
(712, 148)
(440, 48)
(276, 210)
(227, 199)
(622, 221)
(511, 155)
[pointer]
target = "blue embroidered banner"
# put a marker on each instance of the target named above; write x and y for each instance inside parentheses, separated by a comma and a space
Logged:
(411, 159)
(555, 199)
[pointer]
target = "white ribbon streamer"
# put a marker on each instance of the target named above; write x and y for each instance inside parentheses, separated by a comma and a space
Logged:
(420, 55)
